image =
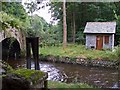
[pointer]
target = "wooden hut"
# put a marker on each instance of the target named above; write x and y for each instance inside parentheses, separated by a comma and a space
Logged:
(100, 35)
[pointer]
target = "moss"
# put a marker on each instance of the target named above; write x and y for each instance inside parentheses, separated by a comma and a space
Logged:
(72, 59)
(31, 75)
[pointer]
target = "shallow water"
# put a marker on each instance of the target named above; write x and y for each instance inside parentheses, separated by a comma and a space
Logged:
(100, 77)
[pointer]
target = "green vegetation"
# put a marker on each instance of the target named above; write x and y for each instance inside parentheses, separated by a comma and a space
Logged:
(32, 75)
(118, 53)
(78, 51)
(118, 57)
(9, 20)
(78, 14)
(65, 86)
(6, 67)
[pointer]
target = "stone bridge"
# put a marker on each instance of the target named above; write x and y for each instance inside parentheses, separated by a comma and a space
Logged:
(18, 42)
(13, 32)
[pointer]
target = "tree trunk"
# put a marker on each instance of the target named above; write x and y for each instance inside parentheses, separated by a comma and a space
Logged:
(71, 27)
(74, 27)
(64, 25)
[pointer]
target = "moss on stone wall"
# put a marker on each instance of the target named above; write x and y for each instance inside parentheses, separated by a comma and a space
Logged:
(31, 75)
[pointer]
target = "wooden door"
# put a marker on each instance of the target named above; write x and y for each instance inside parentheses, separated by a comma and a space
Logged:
(99, 42)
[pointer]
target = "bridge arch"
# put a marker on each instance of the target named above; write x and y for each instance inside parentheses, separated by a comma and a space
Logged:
(13, 32)
(10, 48)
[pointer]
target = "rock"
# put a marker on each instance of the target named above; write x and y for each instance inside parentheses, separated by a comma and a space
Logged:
(15, 82)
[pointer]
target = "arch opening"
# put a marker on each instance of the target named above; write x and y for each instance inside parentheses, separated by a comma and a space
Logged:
(10, 48)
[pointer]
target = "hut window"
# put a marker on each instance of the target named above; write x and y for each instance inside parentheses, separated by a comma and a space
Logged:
(106, 39)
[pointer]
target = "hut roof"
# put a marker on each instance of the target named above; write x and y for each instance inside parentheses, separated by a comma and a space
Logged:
(100, 27)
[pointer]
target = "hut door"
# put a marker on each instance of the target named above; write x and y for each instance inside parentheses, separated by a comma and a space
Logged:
(99, 42)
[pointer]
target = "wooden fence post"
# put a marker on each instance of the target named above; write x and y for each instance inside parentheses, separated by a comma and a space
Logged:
(28, 53)
(35, 49)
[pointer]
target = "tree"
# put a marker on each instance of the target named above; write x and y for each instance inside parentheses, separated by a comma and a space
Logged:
(35, 27)
(16, 9)
(79, 13)
(64, 25)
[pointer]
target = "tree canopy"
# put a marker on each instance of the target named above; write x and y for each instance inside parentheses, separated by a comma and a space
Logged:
(77, 15)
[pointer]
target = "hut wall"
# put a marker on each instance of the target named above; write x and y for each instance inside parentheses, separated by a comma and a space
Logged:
(109, 45)
(90, 41)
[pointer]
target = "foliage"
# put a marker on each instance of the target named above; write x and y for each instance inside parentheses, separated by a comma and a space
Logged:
(78, 51)
(79, 13)
(117, 36)
(15, 9)
(35, 26)
(9, 20)
(6, 66)
(118, 53)
(32, 75)
(51, 36)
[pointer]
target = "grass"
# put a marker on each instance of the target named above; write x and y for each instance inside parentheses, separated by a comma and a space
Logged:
(65, 86)
(78, 51)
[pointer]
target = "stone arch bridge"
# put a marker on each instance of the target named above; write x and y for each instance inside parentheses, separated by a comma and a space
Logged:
(19, 37)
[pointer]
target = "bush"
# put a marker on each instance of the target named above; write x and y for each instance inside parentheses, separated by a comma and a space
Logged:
(118, 53)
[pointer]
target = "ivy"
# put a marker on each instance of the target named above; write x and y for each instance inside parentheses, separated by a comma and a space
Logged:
(9, 20)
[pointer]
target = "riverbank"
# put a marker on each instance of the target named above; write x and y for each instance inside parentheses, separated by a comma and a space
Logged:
(79, 51)
(78, 54)
(80, 61)
(61, 85)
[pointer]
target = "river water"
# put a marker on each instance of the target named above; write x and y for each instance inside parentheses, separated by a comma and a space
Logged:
(69, 73)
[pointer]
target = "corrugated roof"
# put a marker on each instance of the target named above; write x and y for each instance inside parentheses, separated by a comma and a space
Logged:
(100, 27)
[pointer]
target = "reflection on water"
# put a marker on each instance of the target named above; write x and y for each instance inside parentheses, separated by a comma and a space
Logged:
(106, 78)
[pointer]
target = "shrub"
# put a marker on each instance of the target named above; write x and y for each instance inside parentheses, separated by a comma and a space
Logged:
(118, 53)
(118, 57)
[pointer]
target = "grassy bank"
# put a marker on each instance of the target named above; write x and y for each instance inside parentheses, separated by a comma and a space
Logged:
(59, 85)
(78, 51)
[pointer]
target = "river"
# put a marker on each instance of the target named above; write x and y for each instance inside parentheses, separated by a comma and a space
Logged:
(69, 73)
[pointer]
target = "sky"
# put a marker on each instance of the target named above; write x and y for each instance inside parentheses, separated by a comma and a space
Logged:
(43, 12)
